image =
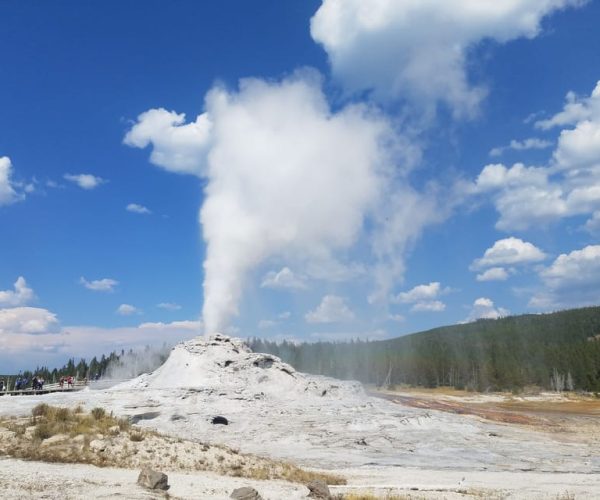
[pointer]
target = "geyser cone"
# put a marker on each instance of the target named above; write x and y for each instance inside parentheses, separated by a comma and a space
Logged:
(227, 365)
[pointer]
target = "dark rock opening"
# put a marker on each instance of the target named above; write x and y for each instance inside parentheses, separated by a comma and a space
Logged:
(219, 420)
(144, 416)
(264, 363)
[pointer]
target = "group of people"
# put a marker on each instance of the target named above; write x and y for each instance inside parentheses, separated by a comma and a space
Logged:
(21, 383)
(68, 380)
(37, 383)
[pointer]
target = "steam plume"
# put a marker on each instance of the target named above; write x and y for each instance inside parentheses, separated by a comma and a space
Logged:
(288, 178)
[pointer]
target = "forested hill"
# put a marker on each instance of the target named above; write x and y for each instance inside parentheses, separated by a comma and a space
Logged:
(559, 350)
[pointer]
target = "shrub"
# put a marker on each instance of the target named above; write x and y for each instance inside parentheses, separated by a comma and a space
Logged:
(136, 437)
(98, 413)
(40, 410)
(43, 431)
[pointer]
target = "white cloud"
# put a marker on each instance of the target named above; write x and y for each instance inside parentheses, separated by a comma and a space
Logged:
(483, 308)
(580, 147)
(572, 280)
(169, 306)
(285, 278)
(576, 110)
(284, 315)
(493, 274)
(21, 294)
(592, 225)
(568, 186)
(264, 324)
(85, 181)
(26, 320)
(332, 309)
(531, 143)
(138, 209)
(509, 251)
(174, 326)
(176, 146)
(429, 306)
(396, 317)
(128, 310)
(102, 285)
(8, 193)
(30, 335)
(420, 293)
(417, 49)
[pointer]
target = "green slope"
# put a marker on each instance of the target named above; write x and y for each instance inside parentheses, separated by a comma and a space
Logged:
(507, 353)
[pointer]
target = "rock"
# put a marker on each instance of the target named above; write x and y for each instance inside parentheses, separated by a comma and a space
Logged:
(319, 489)
(58, 438)
(245, 493)
(153, 480)
(114, 430)
(97, 445)
(29, 432)
(80, 438)
(5, 434)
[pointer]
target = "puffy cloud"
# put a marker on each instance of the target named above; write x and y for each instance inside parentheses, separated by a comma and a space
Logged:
(21, 294)
(572, 280)
(509, 251)
(103, 285)
(285, 278)
(85, 181)
(429, 306)
(26, 320)
(524, 196)
(579, 147)
(417, 49)
(493, 274)
(176, 146)
(128, 310)
(138, 209)
(576, 110)
(531, 143)
(419, 293)
(332, 309)
(483, 308)
(169, 306)
(568, 186)
(8, 193)
(270, 196)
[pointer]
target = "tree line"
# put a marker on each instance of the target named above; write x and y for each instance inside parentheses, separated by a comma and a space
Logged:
(117, 365)
(557, 351)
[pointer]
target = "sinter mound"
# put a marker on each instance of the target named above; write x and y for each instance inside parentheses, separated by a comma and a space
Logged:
(227, 365)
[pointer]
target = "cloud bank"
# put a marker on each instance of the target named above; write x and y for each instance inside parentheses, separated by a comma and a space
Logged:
(417, 50)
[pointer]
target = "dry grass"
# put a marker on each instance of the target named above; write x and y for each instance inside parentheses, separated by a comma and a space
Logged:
(62, 435)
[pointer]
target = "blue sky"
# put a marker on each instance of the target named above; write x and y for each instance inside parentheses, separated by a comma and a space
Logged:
(356, 169)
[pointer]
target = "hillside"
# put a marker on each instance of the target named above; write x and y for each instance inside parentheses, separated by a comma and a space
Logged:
(549, 350)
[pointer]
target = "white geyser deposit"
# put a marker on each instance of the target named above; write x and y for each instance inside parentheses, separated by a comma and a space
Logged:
(227, 366)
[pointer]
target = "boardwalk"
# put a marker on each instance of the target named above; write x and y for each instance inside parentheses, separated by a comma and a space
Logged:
(48, 388)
